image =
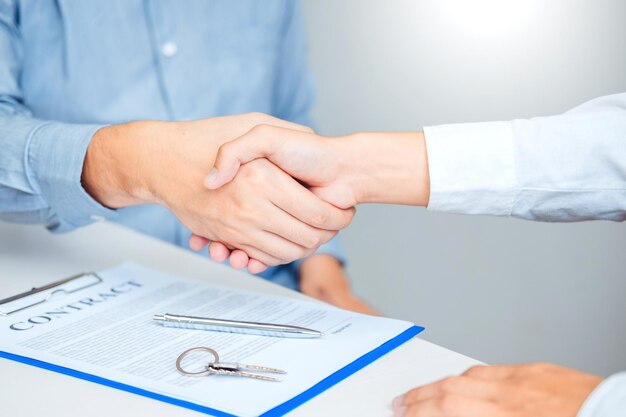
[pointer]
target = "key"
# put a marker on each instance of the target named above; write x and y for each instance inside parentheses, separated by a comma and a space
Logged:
(238, 369)
(215, 367)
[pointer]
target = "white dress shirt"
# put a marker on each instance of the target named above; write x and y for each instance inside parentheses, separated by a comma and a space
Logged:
(564, 168)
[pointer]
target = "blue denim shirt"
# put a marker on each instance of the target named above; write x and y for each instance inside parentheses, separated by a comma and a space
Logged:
(68, 67)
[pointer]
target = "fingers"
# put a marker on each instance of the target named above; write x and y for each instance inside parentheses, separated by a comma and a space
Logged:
(238, 258)
(460, 385)
(261, 256)
(291, 228)
(197, 242)
(300, 217)
(253, 145)
(256, 266)
(218, 251)
(310, 209)
(478, 392)
(284, 147)
(450, 406)
(492, 372)
(279, 247)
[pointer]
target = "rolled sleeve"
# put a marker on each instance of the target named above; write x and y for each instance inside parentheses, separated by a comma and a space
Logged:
(54, 163)
(608, 399)
(472, 168)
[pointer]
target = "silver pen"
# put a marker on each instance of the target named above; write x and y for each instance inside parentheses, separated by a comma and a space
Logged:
(234, 326)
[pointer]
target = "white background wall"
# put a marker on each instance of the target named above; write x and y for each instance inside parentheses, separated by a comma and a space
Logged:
(500, 290)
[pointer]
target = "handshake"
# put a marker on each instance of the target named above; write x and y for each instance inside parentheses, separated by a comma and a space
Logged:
(258, 190)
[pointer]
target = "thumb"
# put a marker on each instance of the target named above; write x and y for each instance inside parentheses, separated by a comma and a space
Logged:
(339, 196)
(253, 145)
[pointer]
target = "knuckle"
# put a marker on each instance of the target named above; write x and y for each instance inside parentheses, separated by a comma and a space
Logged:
(313, 240)
(320, 218)
(246, 214)
(446, 404)
(450, 384)
(261, 129)
(253, 173)
(225, 151)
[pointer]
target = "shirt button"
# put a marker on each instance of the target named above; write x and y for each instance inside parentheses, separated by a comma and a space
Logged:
(96, 218)
(169, 49)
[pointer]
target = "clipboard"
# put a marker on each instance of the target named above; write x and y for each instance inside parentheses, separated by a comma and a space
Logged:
(80, 282)
(92, 277)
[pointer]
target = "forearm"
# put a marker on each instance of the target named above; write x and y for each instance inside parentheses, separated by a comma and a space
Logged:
(568, 167)
(386, 167)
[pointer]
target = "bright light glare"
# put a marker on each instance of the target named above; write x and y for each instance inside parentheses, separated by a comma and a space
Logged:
(491, 18)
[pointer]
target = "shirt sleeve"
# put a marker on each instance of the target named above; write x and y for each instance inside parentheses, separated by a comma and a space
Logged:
(294, 92)
(569, 167)
(41, 161)
(608, 399)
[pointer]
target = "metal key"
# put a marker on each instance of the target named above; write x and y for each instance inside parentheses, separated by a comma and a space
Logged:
(238, 369)
(231, 369)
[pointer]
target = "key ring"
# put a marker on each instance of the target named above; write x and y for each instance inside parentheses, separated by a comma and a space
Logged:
(195, 349)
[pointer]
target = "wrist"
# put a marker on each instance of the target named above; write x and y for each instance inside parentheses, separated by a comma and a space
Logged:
(387, 167)
(112, 170)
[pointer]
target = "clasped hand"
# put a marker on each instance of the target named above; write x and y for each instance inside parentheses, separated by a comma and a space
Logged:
(314, 214)
(263, 214)
(343, 171)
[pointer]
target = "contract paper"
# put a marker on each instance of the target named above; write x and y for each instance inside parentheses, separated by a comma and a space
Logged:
(107, 331)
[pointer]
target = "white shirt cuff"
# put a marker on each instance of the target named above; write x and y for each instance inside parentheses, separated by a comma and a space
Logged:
(472, 168)
(607, 400)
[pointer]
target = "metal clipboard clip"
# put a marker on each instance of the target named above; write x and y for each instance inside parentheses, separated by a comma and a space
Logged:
(69, 285)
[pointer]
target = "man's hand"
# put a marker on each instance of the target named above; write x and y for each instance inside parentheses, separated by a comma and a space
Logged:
(166, 162)
(265, 213)
(536, 390)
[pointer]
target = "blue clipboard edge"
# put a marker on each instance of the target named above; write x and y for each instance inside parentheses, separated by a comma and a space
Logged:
(280, 410)
(113, 384)
(344, 372)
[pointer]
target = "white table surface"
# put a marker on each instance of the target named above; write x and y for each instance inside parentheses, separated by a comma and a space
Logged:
(31, 256)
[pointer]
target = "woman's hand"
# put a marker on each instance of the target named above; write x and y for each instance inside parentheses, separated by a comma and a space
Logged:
(345, 171)
(536, 390)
